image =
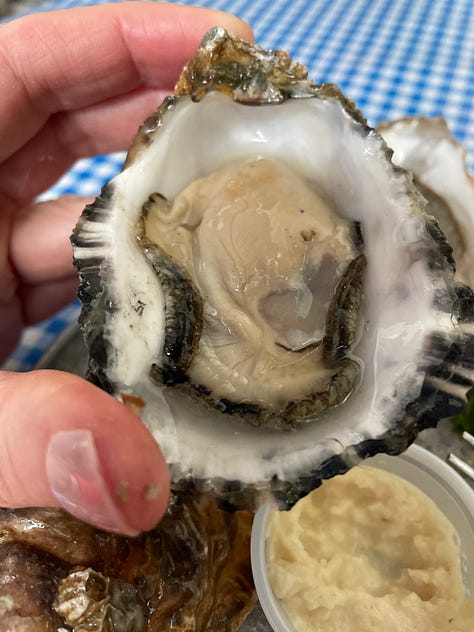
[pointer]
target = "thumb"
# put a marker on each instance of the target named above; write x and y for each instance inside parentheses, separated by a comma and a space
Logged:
(66, 443)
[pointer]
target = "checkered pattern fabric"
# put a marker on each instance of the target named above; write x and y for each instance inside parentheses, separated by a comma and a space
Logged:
(392, 57)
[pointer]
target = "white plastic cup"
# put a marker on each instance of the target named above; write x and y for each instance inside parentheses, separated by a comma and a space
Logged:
(451, 493)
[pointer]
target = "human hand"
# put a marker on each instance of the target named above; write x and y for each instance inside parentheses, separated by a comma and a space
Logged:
(75, 83)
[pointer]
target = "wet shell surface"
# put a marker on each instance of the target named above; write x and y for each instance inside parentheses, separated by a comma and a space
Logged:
(266, 286)
(437, 162)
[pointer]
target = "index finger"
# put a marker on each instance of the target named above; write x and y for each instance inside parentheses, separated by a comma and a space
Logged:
(70, 59)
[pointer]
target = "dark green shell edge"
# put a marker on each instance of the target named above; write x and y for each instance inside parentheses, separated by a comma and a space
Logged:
(93, 294)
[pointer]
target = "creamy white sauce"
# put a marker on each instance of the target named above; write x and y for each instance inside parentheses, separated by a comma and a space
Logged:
(368, 552)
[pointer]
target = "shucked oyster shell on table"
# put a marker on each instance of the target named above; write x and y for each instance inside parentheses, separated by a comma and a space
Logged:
(425, 147)
(266, 286)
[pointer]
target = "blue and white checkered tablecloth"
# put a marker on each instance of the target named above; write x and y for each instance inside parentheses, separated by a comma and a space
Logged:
(392, 57)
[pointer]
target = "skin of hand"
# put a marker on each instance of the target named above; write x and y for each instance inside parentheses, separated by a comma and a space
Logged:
(76, 83)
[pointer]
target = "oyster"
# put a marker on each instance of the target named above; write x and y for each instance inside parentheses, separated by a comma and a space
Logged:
(192, 572)
(437, 161)
(267, 286)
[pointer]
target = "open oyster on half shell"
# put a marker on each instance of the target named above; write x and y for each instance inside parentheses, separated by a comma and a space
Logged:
(437, 162)
(266, 286)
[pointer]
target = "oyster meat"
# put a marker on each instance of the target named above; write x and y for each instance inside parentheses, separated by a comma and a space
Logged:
(259, 311)
(267, 285)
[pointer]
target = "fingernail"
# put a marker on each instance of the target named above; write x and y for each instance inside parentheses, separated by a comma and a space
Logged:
(74, 475)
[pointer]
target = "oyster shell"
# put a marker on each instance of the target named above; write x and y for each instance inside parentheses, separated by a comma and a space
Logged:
(192, 572)
(267, 351)
(437, 161)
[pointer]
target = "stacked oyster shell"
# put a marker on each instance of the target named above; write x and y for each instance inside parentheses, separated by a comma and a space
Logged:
(267, 286)
(425, 147)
